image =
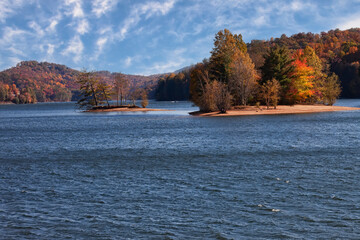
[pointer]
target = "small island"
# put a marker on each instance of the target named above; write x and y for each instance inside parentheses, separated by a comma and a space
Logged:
(123, 108)
(288, 81)
(96, 94)
(282, 109)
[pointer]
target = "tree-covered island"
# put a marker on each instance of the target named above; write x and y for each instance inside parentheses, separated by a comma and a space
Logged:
(95, 94)
(229, 79)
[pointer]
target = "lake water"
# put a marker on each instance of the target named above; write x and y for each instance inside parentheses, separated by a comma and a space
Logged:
(167, 175)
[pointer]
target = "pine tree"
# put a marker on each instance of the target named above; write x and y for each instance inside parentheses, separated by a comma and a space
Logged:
(277, 65)
(92, 91)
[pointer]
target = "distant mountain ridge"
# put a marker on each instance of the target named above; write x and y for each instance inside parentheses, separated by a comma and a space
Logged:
(32, 81)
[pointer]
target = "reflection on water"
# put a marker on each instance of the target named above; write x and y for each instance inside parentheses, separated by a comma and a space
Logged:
(168, 175)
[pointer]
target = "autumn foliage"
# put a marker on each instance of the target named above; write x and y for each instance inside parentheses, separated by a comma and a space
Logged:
(301, 87)
(287, 76)
(31, 81)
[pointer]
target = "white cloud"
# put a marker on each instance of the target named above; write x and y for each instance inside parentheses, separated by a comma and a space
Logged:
(100, 7)
(83, 27)
(8, 7)
(75, 48)
(53, 22)
(128, 61)
(106, 37)
(100, 44)
(296, 6)
(50, 50)
(81, 24)
(75, 8)
(52, 25)
(163, 67)
(353, 23)
(10, 35)
(175, 59)
(152, 8)
(16, 51)
(37, 28)
(14, 60)
(5, 10)
(148, 9)
(105, 30)
(260, 21)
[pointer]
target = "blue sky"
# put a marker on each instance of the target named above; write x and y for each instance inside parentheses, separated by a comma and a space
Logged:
(156, 36)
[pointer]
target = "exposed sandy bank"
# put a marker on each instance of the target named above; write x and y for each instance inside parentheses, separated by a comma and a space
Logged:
(296, 109)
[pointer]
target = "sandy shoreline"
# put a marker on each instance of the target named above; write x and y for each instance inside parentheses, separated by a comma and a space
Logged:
(125, 109)
(296, 109)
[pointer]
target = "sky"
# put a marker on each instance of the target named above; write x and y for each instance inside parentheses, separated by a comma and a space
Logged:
(155, 36)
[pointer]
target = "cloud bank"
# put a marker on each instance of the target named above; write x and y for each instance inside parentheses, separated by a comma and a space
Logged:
(148, 37)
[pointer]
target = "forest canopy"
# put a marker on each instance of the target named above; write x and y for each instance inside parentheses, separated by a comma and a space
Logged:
(289, 76)
(31, 81)
(334, 53)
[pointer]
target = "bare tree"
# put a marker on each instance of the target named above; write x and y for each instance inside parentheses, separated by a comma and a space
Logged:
(222, 96)
(270, 91)
(144, 98)
(331, 89)
(104, 91)
(88, 88)
(121, 85)
(207, 100)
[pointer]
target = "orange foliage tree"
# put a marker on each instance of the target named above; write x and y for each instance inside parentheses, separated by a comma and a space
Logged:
(302, 85)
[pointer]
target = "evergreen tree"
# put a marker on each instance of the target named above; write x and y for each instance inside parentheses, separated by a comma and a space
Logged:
(88, 88)
(277, 65)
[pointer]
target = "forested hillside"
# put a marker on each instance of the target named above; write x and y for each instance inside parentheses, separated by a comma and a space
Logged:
(339, 52)
(173, 87)
(31, 81)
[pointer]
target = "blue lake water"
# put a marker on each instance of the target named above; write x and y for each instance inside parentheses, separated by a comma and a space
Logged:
(168, 175)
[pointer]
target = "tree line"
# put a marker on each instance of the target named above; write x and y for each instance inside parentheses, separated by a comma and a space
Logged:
(95, 92)
(32, 81)
(337, 51)
(173, 87)
(229, 77)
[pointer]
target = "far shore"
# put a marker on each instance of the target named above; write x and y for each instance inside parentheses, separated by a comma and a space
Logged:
(126, 109)
(281, 109)
(6, 103)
